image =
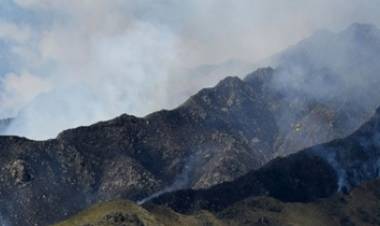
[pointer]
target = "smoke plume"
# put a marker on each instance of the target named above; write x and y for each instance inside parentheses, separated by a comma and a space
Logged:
(71, 63)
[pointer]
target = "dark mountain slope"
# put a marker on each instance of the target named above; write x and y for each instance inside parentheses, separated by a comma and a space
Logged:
(314, 173)
(359, 207)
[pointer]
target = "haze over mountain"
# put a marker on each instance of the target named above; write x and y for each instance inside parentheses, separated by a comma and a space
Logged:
(235, 127)
(274, 112)
(71, 63)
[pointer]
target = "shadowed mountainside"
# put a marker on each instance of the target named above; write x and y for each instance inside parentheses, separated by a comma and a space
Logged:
(359, 207)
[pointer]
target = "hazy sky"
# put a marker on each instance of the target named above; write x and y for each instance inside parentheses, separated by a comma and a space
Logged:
(65, 63)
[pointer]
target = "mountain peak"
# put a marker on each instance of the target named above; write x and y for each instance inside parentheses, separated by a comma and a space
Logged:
(260, 75)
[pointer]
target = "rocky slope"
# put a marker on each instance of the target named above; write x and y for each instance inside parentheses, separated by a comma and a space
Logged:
(311, 174)
(218, 135)
(359, 207)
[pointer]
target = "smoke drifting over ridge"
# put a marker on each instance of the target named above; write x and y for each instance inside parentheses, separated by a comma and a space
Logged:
(79, 62)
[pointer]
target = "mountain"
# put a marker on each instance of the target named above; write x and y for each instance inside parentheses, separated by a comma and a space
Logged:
(359, 207)
(217, 135)
(194, 79)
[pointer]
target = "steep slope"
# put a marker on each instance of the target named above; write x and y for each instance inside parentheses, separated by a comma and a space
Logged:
(359, 207)
(311, 174)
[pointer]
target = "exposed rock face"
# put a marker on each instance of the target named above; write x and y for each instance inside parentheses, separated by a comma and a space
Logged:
(218, 135)
(20, 172)
(311, 174)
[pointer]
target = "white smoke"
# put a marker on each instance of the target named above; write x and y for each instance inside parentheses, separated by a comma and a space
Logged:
(92, 60)
(119, 73)
(182, 181)
(102, 65)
